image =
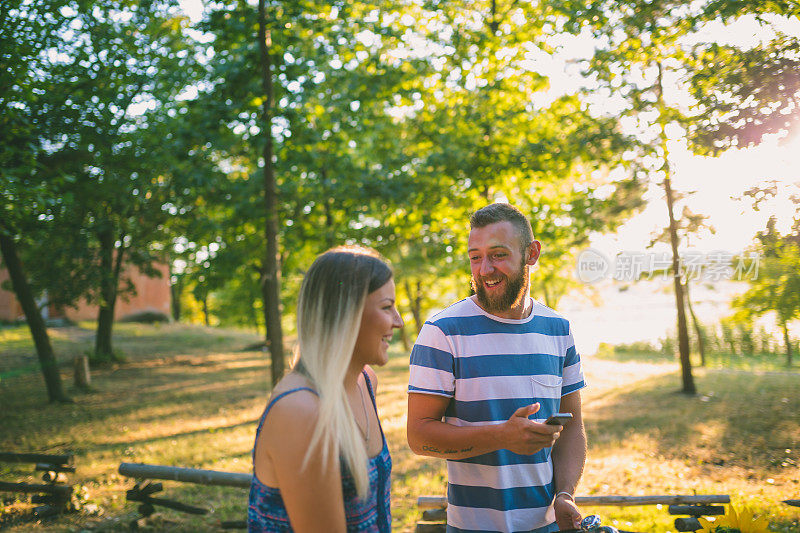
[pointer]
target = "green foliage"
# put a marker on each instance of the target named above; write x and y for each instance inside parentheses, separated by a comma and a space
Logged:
(778, 283)
(653, 55)
(745, 94)
(391, 124)
(480, 128)
(777, 286)
(334, 143)
(117, 72)
(731, 343)
(103, 171)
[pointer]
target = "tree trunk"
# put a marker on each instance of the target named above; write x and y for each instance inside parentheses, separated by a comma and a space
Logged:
(404, 339)
(547, 299)
(683, 333)
(787, 341)
(110, 271)
(270, 272)
(81, 376)
(330, 231)
(415, 302)
(206, 319)
(176, 290)
(698, 329)
(36, 325)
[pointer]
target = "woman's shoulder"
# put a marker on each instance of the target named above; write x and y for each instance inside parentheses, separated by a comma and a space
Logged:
(293, 396)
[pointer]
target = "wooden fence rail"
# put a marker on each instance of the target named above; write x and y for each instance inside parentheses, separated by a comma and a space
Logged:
(144, 489)
(185, 475)
(56, 493)
(434, 508)
(434, 502)
(7, 457)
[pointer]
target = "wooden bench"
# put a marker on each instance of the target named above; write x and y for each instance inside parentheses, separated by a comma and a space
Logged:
(434, 508)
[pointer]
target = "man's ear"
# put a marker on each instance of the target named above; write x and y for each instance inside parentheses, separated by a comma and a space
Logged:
(533, 252)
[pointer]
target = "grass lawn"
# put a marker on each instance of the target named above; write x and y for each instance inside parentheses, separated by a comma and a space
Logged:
(189, 396)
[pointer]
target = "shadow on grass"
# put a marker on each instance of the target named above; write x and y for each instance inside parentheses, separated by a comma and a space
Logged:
(186, 396)
(135, 342)
(143, 393)
(121, 446)
(736, 418)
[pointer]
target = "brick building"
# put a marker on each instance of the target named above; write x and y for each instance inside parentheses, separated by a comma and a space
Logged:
(152, 294)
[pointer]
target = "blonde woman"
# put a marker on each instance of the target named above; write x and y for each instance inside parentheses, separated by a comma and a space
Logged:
(320, 459)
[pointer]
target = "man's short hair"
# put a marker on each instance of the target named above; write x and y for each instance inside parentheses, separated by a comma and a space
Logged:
(500, 212)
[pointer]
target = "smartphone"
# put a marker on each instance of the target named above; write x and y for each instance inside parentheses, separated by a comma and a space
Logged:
(558, 419)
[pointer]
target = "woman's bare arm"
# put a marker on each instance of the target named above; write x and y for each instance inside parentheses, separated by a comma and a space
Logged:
(312, 495)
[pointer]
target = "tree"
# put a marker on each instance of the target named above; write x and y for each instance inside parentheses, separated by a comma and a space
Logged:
(482, 128)
(689, 224)
(378, 142)
(777, 286)
(20, 286)
(27, 31)
(105, 112)
(641, 40)
(305, 126)
(644, 55)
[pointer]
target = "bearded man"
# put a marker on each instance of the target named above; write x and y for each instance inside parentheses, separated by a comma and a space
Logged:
(485, 374)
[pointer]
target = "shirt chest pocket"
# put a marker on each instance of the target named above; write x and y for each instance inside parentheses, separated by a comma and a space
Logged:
(546, 386)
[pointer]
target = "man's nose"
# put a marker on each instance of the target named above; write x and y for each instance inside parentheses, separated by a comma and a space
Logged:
(486, 267)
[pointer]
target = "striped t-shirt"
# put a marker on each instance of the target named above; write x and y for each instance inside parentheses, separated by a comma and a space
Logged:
(490, 367)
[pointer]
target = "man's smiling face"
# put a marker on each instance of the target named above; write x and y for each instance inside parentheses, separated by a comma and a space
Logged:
(500, 267)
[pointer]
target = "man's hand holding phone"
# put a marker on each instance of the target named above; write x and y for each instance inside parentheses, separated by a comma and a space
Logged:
(558, 419)
(524, 436)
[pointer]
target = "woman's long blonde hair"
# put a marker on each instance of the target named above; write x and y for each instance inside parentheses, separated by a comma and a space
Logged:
(329, 312)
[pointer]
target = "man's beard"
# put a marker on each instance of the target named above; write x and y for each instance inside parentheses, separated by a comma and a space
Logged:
(516, 290)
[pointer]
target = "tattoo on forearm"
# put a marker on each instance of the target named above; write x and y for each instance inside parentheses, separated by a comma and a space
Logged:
(434, 449)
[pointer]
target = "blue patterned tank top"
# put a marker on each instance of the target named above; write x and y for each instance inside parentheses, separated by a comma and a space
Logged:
(267, 513)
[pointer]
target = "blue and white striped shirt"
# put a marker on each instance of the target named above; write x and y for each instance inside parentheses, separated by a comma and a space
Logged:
(490, 367)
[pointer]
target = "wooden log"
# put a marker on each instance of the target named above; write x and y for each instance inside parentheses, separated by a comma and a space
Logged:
(653, 500)
(43, 511)
(54, 477)
(687, 524)
(145, 488)
(432, 502)
(7, 457)
(81, 375)
(434, 515)
(146, 509)
(51, 499)
(65, 490)
(50, 467)
(172, 504)
(186, 475)
(696, 510)
(431, 527)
